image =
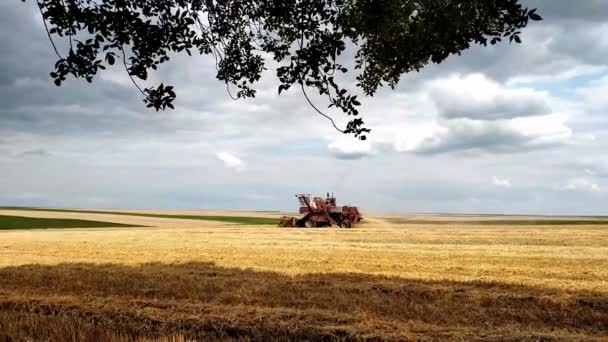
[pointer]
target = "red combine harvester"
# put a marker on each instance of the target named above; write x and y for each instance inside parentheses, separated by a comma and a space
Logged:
(322, 212)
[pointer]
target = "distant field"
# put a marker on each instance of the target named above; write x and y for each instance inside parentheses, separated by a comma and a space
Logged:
(564, 221)
(219, 218)
(387, 279)
(447, 219)
(20, 222)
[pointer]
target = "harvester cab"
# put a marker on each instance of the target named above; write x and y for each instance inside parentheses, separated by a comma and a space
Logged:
(306, 201)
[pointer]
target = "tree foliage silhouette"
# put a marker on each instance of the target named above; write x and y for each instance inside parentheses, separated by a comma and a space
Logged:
(304, 37)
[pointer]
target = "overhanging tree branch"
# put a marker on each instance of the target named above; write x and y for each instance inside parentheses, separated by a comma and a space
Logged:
(303, 37)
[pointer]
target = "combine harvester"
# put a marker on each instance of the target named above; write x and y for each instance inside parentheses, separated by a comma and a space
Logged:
(319, 212)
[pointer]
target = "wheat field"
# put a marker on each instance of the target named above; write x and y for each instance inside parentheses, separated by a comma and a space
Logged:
(417, 277)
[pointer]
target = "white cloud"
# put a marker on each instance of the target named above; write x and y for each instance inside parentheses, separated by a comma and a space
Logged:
(501, 182)
(582, 184)
(231, 161)
(471, 113)
(477, 97)
(350, 148)
(505, 136)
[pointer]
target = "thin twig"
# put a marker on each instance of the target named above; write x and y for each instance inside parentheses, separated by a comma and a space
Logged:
(301, 44)
(124, 62)
(318, 111)
(229, 93)
(48, 33)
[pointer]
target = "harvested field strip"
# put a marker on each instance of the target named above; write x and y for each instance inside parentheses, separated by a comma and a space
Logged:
(505, 222)
(19, 222)
(199, 300)
(243, 220)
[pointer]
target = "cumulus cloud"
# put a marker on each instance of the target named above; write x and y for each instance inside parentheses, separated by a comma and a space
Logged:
(477, 97)
(231, 161)
(581, 184)
(471, 113)
(349, 148)
(501, 182)
(508, 136)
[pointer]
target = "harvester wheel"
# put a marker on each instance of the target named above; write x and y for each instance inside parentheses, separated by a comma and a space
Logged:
(345, 224)
(310, 224)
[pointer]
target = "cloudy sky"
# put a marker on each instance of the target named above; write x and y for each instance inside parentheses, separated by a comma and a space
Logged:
(507, 129)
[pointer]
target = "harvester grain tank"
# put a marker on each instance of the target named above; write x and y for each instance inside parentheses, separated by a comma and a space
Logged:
(322, 212)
